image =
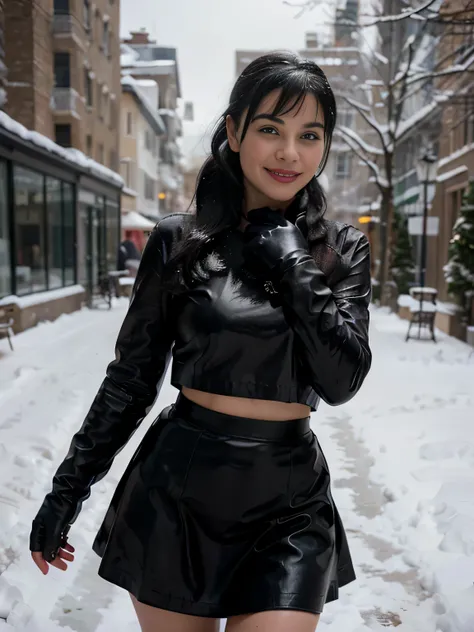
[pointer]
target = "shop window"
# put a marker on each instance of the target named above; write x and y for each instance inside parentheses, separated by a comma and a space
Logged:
(29, 231)
(69, 250)
(55, 236)
(5, 272)
(62, 72)
(113, 233)
(63, 134)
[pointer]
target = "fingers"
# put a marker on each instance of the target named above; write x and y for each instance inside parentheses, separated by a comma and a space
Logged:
(40, 562)
(63, 556)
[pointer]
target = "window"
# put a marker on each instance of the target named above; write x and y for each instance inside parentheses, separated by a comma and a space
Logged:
(150, 141)
(468, 131)
(88, 88)
(62, 73)
(89, 145)
(86, 15)
(149, 188)
(113, 160)
(5, 272)
(69, 248)
(29, 231)
(106, 108)
(63, 134)
(126, 171)
(129, 124)
(61, 7)
(99, 100)
(55, 236)
(343, 165)
(100, 154)
(346, 118)
(112, 228)
(105, 37)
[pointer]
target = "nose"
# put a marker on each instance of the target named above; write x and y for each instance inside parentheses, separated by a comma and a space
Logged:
(287, 151)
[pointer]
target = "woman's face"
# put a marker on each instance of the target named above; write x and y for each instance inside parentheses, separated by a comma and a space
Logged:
(278, 155)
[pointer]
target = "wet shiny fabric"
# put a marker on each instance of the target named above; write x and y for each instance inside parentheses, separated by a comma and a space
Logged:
(218, 515)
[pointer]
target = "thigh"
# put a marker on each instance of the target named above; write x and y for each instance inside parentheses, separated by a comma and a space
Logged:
(274, 621)
(158, 620)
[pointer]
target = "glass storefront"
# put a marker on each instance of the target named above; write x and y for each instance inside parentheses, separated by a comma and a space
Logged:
(5, 273)
(44, 232)
(98, 237)
(30, 237)
(54, 245)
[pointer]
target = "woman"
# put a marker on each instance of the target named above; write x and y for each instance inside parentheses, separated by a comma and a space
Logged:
(225, 510)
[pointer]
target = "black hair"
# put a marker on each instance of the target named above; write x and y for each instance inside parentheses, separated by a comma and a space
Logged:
(219, 190)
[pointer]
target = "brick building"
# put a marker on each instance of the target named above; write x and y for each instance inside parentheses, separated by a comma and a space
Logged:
(64, 72)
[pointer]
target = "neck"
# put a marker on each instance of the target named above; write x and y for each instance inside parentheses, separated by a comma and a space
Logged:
(255, 199)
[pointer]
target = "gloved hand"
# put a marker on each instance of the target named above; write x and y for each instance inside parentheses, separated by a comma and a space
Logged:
(50, 527)
(271, 241)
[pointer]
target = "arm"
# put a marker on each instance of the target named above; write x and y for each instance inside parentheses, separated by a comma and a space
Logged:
(330, 324)
(132, 382)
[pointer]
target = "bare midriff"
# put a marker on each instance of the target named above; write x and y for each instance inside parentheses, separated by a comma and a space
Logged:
(245, 407)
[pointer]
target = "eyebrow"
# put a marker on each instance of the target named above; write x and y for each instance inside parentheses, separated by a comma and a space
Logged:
(275, 119)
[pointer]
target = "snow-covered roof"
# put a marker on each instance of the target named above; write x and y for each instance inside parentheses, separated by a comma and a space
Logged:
(74, 156)
(134, 221)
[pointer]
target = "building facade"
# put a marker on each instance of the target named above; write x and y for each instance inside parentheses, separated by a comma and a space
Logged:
(64, 79)
(456, 142)
(142, 58)
(59, 225)
(142, 129)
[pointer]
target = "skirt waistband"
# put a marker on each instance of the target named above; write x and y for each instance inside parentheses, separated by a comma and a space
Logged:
(232, 425)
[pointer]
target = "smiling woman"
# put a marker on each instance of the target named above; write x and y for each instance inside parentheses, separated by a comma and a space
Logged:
(226, 509)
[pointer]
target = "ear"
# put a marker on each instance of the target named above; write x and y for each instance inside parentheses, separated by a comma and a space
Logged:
(234, 143)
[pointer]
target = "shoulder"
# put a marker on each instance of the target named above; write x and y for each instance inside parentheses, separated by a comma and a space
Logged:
(171, 229)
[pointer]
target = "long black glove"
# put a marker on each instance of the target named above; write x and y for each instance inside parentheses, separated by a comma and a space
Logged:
(133, 381)
(330, 323)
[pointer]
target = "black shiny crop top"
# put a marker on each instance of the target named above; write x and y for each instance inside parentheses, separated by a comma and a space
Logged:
(235, 335)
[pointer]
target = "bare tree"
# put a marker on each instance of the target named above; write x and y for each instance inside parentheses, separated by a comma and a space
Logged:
(406, 61)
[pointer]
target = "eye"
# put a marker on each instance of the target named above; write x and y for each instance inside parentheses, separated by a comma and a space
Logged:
(311, 136)
(268, 130)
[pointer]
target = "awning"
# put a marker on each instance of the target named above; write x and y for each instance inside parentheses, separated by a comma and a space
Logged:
(134, 221)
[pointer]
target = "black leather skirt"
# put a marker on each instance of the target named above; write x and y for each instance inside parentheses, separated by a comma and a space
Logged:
(218, 515)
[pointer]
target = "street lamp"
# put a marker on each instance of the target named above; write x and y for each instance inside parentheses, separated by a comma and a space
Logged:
(426, 169)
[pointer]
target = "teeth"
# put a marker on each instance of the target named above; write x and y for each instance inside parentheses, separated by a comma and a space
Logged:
(284, 175)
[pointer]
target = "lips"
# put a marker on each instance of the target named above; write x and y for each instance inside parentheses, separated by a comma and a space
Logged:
(283, 175)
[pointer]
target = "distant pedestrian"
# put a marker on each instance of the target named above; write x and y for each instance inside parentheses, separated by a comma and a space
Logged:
(226, 510)
(128, 256)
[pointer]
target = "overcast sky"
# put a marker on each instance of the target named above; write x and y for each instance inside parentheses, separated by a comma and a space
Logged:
(206, 34)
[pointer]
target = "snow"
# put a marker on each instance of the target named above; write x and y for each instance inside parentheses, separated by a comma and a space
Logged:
(70, 154)
(455, 155)
(451, 174)
(401, 455)
(41, 297)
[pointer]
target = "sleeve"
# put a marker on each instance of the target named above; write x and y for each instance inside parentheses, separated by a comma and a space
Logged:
(133, 381)
(331, 324)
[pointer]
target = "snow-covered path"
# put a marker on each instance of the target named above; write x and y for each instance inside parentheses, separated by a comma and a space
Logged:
(402, 460)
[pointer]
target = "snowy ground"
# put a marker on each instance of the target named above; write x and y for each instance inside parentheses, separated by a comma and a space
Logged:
(402, 457)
